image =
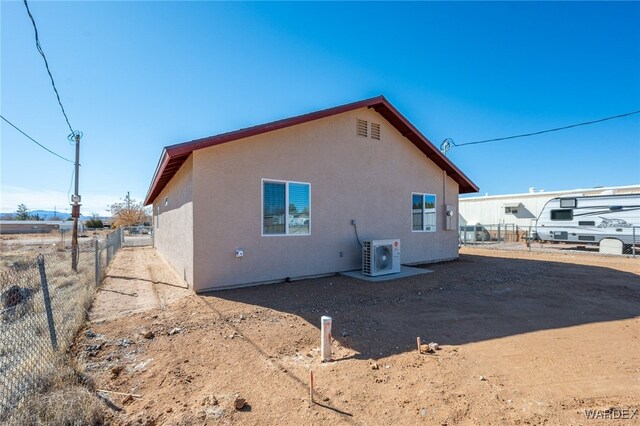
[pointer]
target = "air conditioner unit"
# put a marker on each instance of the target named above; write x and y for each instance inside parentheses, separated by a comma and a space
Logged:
(380, 257)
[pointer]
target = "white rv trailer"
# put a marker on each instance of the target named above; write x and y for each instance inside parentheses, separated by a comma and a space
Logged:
(590, 219)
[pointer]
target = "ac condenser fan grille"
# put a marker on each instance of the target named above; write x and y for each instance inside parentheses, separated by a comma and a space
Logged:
(383, 258)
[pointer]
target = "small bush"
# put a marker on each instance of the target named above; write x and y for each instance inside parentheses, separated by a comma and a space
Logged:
(64, 397)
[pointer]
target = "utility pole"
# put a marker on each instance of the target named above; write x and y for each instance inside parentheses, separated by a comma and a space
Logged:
(75, 207)
(128, 201)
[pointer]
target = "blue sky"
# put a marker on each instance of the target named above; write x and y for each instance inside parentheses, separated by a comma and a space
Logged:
(136, 76)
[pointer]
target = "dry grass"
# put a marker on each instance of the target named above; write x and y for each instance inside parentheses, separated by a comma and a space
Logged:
(63, 397)
(56, 393)
(53, 234)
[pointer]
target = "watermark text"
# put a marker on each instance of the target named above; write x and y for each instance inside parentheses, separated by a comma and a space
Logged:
(612, 414)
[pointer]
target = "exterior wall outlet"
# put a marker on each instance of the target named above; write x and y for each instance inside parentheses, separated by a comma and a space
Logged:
(239, 252)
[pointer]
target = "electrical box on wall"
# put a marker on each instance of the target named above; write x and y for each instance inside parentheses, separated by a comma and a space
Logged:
(449, 218)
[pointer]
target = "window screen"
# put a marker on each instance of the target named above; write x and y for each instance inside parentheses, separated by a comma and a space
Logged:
(429, 212)
(273, 208)
(418, 212)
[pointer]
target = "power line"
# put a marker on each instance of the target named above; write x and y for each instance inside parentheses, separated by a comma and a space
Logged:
(74, 136)
(46, 64)
(35, 141)
(448, 143)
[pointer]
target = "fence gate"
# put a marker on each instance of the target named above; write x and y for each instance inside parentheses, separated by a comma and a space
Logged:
(137, 236)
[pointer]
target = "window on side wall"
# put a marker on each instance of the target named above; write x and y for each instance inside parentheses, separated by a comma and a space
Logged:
(286, 208)
(423, 209)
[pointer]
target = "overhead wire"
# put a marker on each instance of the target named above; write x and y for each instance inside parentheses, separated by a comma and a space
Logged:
(448, 143)
(46, 64)
(35, 141)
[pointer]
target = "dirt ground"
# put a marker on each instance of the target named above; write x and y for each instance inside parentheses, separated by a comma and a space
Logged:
(525, 338)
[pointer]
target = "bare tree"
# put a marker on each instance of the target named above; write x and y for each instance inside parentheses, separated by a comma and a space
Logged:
(129, 212)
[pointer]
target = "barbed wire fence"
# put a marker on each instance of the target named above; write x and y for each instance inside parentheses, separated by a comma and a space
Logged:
(43, 304)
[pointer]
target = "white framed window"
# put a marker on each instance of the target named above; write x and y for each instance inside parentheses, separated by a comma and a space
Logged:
(286, 207)
(423, 212)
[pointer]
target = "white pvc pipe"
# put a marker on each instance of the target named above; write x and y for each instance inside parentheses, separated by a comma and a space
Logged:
(325, 338)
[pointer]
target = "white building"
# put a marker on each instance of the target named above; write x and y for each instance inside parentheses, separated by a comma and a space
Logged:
(37, 226)
(522, 209)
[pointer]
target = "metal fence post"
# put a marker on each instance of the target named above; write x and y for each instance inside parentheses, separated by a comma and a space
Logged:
(97, 261)
(633, 246)
(47, 302)
(108, 252)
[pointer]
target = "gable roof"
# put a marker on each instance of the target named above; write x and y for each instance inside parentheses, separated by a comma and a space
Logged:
(174, 156)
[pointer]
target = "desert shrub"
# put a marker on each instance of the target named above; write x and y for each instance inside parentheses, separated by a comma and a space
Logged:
(64, 397)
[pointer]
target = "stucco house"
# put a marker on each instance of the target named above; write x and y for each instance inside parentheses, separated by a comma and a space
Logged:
(278, 201)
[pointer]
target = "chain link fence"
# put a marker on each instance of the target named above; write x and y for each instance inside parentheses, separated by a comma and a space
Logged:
(43, 304)
(491, 234)
(513, 237)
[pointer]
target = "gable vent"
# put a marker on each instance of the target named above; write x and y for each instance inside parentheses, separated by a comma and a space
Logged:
(361, 127)
(375, 131)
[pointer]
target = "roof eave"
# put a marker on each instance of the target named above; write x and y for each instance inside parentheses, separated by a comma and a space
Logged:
(378, 103)
(162, 163)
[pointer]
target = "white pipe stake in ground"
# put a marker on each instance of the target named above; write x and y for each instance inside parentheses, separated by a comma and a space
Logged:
(325, 338)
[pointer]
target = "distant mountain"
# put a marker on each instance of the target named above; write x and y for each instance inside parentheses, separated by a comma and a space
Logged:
(50, 214)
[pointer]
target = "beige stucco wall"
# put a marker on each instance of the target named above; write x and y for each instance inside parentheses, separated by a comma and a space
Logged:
(351, 177)
(173, 228)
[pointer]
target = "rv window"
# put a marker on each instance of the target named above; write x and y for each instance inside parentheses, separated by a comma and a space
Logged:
(562, 214)
(586, 223)
(569, 203)
(511, 210)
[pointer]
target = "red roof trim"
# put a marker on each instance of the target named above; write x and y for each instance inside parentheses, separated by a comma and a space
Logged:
(175, 155)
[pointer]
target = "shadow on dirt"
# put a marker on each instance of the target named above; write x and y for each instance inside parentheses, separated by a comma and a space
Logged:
(472, 299)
